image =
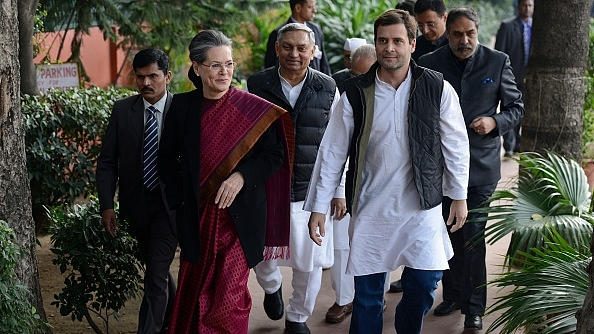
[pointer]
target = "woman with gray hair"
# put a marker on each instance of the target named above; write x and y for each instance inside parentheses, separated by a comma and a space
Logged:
(225, 162)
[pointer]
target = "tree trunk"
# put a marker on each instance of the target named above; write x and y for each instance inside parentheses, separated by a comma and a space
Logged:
(555, 88)
(15, 196)
(555, 81)
(26, 12)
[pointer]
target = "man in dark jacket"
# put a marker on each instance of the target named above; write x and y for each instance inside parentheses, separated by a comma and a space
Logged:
(431, 17)
(513, 38)
(309, 96)
(302, 11)
(484, 81)
(126, 160)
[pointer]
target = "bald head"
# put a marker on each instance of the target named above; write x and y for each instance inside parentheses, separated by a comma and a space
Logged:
(362, 59)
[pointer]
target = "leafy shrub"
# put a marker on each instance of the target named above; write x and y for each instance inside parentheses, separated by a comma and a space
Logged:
(252, 37)
(63, 132)
(549, 217)
(342, 19)
(179, 63)
(103, 272)
(18, 315)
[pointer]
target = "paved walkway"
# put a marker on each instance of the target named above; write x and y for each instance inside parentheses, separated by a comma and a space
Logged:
(260, 324)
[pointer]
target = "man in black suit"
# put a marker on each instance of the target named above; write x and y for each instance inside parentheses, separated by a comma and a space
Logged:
(302, 11)
(513, 38)
(484, 81)
(128, 157)
(431, 17)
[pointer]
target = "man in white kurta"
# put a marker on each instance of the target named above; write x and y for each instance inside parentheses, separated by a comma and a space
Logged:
(388, 227)
(310, 97)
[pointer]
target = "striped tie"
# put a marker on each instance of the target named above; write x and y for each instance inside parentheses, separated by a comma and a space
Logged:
(526, 39)
(151, 144)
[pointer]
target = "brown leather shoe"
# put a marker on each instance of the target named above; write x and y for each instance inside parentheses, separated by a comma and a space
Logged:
(337, 313)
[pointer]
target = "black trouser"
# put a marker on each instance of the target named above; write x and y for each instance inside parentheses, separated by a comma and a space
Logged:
(157, 241)
(466, 279)
(511, 139)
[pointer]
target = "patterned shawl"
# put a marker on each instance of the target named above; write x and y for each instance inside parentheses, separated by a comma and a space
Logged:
(240, 118)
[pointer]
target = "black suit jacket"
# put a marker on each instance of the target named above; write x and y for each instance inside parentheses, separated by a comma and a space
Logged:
(340, 77)
(320, 64)
(179, 168)
(486, 87)
(120, 160)
(510, 39)
(423, 46)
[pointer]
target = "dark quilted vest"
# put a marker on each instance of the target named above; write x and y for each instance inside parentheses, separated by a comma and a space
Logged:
(310, 118)
(424, 139)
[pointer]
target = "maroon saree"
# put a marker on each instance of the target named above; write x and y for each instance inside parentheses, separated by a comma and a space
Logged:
(212, 295)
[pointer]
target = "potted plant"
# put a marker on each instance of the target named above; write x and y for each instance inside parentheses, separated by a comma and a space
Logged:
(549, 216)
(546, 291)
(551, 192)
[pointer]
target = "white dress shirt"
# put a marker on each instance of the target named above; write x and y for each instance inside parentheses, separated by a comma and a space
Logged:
(160, 106)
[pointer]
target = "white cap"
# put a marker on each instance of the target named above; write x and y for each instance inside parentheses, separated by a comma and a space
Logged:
(352, 43)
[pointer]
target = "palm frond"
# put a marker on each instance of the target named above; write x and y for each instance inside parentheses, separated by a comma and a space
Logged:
(562, 179)
(546, 293)
(551, 193)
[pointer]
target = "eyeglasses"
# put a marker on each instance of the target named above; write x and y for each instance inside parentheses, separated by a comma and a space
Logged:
(216, 67)
(428, 25)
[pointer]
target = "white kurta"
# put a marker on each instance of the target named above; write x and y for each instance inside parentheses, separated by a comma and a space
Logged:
(388, 228)
(304, 254)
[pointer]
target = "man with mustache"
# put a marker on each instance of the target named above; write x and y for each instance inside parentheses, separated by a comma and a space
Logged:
(484, 81)
(302, 11)
(310, 97)
(128, 159)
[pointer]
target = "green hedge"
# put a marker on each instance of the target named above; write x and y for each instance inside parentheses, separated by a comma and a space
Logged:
(63, 133)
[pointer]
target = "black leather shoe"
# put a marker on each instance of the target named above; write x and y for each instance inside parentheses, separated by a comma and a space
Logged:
(296, 327)
(396, 286)
(473, 322)
(273, 304)
(446, 307)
